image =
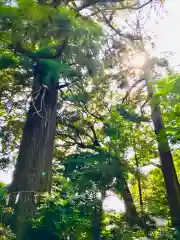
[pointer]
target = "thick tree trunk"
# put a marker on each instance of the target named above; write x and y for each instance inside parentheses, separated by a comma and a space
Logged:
(33, 171)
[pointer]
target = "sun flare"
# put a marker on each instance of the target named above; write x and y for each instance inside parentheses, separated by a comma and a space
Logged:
(138, 60)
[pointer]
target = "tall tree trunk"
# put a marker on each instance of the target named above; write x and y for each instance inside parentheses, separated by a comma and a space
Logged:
(167, 164)
(33, 171)
(131, 214)
(97, 218)
(139, 181)
(96, 223)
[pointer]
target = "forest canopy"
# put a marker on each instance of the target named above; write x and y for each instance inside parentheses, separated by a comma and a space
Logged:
(80, 121)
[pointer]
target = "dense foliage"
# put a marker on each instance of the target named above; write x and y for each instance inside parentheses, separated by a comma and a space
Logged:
(79, 123)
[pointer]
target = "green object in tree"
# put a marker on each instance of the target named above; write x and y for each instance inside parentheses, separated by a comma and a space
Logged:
(7, 62)
(48, 71)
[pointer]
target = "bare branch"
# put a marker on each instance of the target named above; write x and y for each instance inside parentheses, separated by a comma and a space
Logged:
(128, 36)
(131, 88)
(156, 165)
(67, 84)
(134, 6)
(95, 141)
(143, 105)
(131, 7)
(93, 115)
(143, 5)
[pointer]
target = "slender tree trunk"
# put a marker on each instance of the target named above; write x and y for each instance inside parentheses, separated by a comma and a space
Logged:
(96, 223)
(97, 218)
(33, 171)
(131, 214)
(139, 182)
(167, 164)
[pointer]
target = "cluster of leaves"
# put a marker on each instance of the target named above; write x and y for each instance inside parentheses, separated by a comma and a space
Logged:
(25, 38)
(94, 135)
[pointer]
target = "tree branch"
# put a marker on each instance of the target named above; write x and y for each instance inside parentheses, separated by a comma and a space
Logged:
(156, 165)
(96, 141)
(143, 5)
(132, 117)
(91, 3)
(67, 84)
(128, 36)
(79, 144)
(93, 115)
(131, 88)
(134, 6)
(35, 55)
(143, 105)
(88, 4)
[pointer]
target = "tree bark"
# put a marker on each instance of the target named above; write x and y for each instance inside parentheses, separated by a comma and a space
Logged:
(131, 214)
(167, 166)
(33, 170)
(96, 223)
(166, 158)
(97, 217)
(139, 181)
